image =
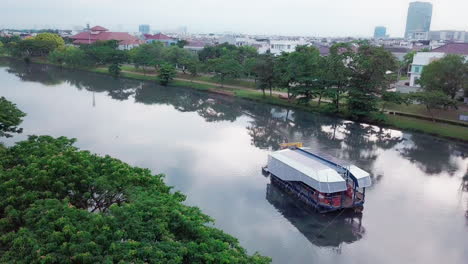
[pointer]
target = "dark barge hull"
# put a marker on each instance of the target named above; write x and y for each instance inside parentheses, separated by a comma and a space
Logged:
(294, 191)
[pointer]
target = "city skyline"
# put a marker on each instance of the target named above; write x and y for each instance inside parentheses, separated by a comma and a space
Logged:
(309, 18)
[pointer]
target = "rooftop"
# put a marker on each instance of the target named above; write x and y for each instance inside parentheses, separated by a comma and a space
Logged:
(158, 36)
(453, 48)
(102, 34)
(98, 28)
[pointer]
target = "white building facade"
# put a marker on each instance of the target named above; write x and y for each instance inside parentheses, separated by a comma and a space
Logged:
(420, 60)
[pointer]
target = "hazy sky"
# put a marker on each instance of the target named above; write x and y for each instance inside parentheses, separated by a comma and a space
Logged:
(285, 17)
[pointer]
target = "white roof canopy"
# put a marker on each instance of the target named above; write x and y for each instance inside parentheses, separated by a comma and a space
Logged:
(300, 165)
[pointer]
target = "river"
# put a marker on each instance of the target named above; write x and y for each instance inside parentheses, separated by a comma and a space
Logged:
(212, 149)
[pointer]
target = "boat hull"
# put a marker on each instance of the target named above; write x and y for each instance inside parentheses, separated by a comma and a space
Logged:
(293, 190)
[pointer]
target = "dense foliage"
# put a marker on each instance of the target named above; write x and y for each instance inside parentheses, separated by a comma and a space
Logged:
(10, 118)
(371, 74)
(54, 38)
(41, 45)
(166, 73)
(447, 75)
(62, 205)
(354, 74)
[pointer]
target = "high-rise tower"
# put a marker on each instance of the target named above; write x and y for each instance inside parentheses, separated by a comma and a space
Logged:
(418, 22)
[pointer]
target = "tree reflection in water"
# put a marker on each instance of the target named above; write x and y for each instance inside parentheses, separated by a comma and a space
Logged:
(269, 126)
(322, 230)
(429, 159)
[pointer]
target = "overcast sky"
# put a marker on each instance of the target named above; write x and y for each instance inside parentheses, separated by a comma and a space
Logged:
(282, 17)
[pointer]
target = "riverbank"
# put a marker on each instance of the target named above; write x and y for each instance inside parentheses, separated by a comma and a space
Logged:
(449, 131)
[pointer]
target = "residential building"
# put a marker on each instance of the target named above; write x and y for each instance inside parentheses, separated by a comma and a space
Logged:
(380, 32)
(98, 33)
(422, 59)
(144, 29)
(279, 46)
(418, 22)
(166, 40)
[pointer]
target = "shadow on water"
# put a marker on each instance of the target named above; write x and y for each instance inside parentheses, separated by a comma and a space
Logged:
(322, 230)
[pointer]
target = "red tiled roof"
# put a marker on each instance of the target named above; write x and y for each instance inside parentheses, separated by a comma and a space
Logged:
(158, 36)
(87, 37)
(98, 28)
(453, 48)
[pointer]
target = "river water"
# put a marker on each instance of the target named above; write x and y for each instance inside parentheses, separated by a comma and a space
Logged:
(212, 148)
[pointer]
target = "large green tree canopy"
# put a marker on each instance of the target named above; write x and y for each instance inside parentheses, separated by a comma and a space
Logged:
(10, 118)
(62, 205)
(448, 75)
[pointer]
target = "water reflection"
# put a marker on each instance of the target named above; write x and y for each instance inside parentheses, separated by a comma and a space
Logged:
(429, 159)
(190, 134)
(322, 230)
(269, 126)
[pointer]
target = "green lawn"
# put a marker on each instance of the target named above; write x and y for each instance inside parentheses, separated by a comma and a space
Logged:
(441, 129)
(418, 109)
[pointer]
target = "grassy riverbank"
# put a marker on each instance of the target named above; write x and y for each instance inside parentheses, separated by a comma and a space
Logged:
(454, 132)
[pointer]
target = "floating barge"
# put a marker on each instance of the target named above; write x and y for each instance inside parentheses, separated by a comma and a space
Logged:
(322, 182)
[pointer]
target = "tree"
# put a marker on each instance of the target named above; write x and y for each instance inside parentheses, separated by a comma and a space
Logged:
(58, 56)
(148, 55)
(32, 47)
(392, 98)
(181, 43)
(10, 118)
(225, 67)
(193, 67)
(54, 38)
(114, 69)
(282, 74)
(336, 74)
(371, 73)
(76, 57)
(407, 61)
(167, 73)
(2, 49)
(303, 67)
(449, 75)
(264, 70)
(5, 40)
(102, 52)
(62, 205)
(433, 100)
(214, 52)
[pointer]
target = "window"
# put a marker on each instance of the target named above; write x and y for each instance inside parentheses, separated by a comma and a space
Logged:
(416, 69)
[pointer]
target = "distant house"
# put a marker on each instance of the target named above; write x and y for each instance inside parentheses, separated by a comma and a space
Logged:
(195, 46)
(166, 40)
(422, 59)
(98, 33)
(397, 51)
(279, 46)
